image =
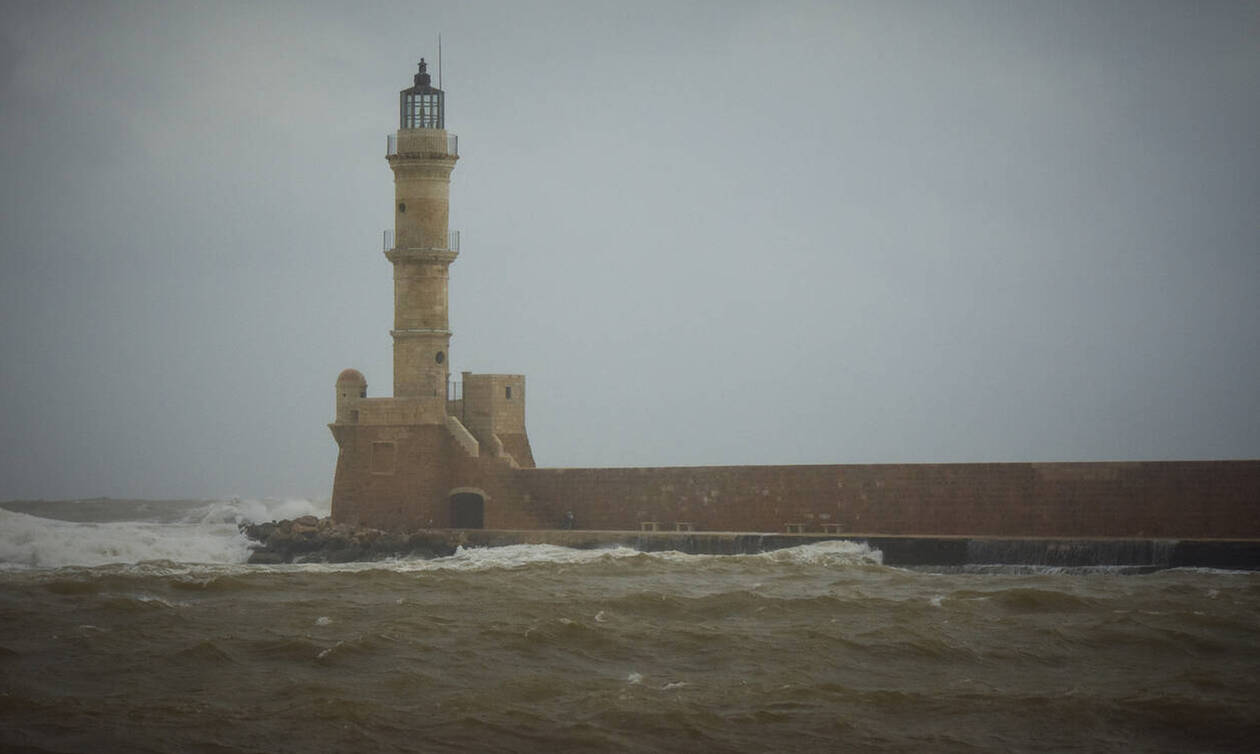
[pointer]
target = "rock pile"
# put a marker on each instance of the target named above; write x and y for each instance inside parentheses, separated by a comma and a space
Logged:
(319, 540)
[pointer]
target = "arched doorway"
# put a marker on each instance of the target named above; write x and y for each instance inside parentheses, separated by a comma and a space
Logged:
(468, 509)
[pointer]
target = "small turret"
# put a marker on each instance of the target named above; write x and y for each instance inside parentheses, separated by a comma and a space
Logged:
(351, 388)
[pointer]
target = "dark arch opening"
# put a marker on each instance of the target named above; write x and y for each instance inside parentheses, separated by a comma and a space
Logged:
(468, 510)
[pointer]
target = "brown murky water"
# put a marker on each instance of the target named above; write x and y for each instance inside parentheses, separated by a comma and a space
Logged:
(537, 648)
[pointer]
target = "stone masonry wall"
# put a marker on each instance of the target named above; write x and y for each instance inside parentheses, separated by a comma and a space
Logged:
(1129, 499)
(400, 478)
(391, 476)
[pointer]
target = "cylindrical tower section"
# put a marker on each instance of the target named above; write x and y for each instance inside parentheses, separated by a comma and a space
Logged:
(422, 155)
(422, 181)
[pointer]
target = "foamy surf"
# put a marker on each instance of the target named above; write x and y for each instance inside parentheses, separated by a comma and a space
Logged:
(238, 511)
(99, 532)
(507, 557)
(832, 554)
(206, 533)
(837, 553)
(32, 542)
(827, 555)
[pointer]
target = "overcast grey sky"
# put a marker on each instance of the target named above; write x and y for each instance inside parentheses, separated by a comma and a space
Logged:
(707, 233)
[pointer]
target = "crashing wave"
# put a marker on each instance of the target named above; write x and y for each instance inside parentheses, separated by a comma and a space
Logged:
(34, 542)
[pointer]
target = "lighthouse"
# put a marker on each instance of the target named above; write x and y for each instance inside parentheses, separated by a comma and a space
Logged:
(422, 245)
(425, 456)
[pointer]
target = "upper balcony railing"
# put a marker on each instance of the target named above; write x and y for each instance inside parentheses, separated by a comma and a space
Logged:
(391, 145)
(450, 243)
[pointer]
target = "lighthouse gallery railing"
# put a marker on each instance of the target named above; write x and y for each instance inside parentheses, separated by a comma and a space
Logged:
(450, 243)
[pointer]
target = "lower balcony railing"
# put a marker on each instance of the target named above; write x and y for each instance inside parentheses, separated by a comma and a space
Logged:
(448, 243)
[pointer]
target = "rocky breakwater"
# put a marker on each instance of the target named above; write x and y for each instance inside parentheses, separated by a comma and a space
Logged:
(318, 540)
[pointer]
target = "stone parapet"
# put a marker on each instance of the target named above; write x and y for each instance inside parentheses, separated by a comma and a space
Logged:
(401, 411)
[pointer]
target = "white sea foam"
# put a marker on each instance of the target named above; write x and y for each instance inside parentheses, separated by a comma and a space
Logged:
(829, 554)
(833, 552)
(473, 559)
(515, 556)
(31, 541)
(208, 534)
(236, 511)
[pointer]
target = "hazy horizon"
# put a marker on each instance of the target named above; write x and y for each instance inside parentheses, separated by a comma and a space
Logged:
(707, 233)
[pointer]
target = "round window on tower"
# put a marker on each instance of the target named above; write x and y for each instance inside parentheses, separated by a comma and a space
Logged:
(401, 208)
(440, 357)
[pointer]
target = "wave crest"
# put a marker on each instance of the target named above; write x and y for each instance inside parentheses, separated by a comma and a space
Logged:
(833, 552)
(33, 542)
(238, 511)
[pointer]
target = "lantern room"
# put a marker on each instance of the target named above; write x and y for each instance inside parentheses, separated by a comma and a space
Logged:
(422, 105)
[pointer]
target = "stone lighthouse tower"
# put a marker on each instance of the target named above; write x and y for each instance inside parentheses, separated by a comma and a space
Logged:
(422, 245)
(428, 456)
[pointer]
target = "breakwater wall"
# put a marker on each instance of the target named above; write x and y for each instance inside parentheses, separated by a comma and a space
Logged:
(1132, 499)
(320, 540)
(434, 485)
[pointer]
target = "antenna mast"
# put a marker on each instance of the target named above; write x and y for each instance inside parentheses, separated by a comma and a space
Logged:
(439, 60)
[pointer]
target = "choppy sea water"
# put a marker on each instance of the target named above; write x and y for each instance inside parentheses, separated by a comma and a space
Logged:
(139, 629)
